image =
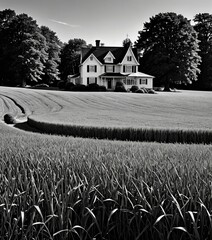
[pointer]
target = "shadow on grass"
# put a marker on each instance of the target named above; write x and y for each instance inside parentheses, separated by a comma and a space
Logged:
(25, 127)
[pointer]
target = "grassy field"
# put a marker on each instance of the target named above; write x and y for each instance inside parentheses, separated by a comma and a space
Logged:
(55, 187)
(70, 188)
(165, 110)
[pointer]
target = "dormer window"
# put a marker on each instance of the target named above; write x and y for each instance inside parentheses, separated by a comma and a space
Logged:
(108, 59)
(129, 58)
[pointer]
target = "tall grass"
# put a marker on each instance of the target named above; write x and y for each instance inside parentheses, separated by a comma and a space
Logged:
(71, 188)
(164, 135)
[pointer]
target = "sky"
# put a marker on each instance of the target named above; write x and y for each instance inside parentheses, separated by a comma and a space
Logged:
(110, 21)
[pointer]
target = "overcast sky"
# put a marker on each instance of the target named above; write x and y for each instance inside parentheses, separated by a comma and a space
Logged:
(111, 21)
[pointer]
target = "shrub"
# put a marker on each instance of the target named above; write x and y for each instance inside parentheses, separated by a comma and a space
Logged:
(61, 84)
(54, 83)
(134, 88)
(119, 84)
(79, 87)
(102, 88)
(140, 91)
(9, 119)
(94, 87)
(158, 89)
(151, 91)
(120, 87)
(69, 86)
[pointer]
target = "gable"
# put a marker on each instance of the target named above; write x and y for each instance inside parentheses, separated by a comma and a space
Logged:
(129, 58)
(91, 60)
(119, 55)
(100, 53)
(109, 58)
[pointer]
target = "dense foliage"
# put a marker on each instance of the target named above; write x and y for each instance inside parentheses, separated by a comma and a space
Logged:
(24, 49)
(51, 71)
(70, 57)
(126, 42)
(169, 48)
(31, 54)
(203, 25)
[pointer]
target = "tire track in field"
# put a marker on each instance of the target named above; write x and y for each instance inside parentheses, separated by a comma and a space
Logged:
(16, 103)
(11, 105)
(57, 107)
(35, 102)
(94, 101)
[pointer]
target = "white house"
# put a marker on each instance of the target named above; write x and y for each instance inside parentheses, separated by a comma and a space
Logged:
(108, 65)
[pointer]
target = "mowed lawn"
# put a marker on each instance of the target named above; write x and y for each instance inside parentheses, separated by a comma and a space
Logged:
(182, 109)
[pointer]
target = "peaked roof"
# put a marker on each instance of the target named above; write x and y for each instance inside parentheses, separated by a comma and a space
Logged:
(101, 52)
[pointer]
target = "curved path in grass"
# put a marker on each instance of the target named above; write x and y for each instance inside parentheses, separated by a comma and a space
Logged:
(179, 110)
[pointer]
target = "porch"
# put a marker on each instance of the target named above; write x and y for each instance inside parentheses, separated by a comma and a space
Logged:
(139, 79)
(109, 80)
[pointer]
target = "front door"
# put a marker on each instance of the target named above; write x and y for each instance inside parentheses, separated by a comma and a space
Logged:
(109, 83)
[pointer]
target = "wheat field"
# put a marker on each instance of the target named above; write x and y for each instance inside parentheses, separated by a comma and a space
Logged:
(182, 109)
(55, 187)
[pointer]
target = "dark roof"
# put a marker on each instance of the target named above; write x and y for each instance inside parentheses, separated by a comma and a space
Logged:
(101, 52)
(113, 75)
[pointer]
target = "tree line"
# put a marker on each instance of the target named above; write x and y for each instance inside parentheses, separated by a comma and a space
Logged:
(177, 52)
(171, 48)
(31, 55)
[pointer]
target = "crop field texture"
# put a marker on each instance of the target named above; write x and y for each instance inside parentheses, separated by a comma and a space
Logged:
(182, 117)
(70, 188)
(186, 110)
(54, 187)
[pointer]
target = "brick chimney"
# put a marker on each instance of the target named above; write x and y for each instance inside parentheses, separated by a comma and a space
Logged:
(97, 43)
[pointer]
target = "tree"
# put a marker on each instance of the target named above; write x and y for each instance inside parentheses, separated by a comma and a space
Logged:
(70, 57)
(24, 49)
(29, 55)
(203, 26)
(6, 16)
(54, 45)
(169, 49)
(127, 42)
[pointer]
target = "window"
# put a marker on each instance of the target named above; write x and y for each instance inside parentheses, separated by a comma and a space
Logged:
(129, 58)
(127, 68)
(143, 81)
(129, 82)
(109, 68)
(91, 58)
(91, 80)
(91, 68)
(134, 69)
(108, 59)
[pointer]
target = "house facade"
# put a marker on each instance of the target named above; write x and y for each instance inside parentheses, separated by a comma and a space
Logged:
(108, 65)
